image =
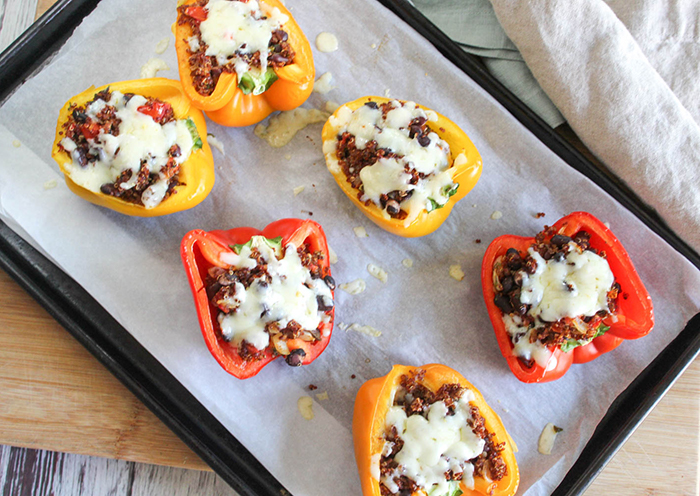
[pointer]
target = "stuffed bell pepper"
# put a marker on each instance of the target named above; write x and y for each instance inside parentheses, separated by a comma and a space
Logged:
(427, 431)
(261, 294)
(405, 166)
(566, 296)
(240, 60)
(137, 147)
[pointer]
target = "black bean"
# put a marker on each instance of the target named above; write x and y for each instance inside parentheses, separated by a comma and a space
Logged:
(423, 141)
(507, 283)
(393, 207)
(560, 240)
(503, 302)
(79, 116)
(531, 266)
(372, 105)
(213, 289)
(323, 304)
(109, 189)
(295, 358)
(227, 279)
(330, 282)
(81, 156)
(279, 59)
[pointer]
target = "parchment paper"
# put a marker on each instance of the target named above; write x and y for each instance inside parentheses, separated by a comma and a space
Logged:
(132, 265)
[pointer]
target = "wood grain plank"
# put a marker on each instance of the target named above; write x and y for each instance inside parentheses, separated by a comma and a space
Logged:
(39, 472)
(45, 473)
(55, 395)
(661, 457)
(42, 6)
(17, 16)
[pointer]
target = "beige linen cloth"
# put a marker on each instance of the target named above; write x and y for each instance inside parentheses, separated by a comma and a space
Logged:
(626, 76)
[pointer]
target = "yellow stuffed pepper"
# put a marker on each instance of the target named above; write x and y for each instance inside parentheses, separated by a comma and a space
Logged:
(404, 165)
(136, 147)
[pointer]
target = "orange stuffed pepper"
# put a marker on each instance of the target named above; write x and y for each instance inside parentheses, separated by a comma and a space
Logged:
(426, 430)
(239, 61)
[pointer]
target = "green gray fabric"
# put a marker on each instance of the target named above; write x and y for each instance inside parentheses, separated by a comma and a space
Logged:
(473, 25)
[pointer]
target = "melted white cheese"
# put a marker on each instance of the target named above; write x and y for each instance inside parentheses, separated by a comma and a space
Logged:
(576, 286)
(291, 294)
(282, 127)
(233, 28)
(522, 347)
(434, 445)
(388, 174)
(326, 42)
(140, 138)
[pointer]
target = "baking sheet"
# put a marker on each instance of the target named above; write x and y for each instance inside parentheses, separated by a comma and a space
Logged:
(132, 265)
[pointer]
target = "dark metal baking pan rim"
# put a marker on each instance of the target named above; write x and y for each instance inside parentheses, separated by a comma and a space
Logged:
(158, 389)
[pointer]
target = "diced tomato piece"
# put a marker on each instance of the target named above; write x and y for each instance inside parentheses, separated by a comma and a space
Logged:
(156, 110)
(196, 13)
(90, 129)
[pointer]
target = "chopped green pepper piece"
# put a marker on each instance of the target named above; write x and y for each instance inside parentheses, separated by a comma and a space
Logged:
(257, 82)
(570, 344)
(274, 243)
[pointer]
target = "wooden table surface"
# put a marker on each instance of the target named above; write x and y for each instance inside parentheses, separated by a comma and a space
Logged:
(55, 396)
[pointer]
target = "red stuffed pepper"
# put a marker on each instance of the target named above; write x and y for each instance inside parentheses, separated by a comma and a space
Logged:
(262, 294)
(568, 295)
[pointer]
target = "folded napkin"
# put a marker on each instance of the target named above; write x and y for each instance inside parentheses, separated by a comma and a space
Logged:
(473, 25)
(626, 76)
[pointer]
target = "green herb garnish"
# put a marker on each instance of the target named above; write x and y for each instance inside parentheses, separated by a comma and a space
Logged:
(192, 128)
(448, 191)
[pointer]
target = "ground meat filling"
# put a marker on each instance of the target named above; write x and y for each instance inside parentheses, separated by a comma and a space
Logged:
(352, 160)
(508, 279)
(205, 70)
(220, 287)
(415, 398)
(80, 128)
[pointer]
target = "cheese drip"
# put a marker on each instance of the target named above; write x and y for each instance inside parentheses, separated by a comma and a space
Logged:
(388, 174)
(140, 138)
(291, 294)
(576, 286)
(434, 445)
(233, 29)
